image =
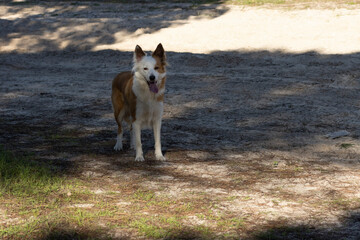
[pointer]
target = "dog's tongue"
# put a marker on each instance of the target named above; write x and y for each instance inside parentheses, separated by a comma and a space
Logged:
(153, 88)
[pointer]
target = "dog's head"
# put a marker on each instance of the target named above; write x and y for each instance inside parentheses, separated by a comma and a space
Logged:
(151, 68)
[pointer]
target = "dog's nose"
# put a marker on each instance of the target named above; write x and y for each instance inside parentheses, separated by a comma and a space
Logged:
(152, 78)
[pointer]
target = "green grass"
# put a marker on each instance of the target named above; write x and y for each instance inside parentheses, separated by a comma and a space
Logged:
(170, 227)
(142, 195)
(346, 145)
(147, 227)
(35, 199)
(22, 177)
(230, 223)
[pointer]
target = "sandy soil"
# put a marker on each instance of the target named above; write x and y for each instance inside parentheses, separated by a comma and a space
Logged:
(251, 94)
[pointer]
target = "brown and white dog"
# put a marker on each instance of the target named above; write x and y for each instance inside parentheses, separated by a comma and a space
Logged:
(137, 97)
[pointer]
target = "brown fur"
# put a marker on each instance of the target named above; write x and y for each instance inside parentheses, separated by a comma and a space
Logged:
(160, 63)
(123, 98)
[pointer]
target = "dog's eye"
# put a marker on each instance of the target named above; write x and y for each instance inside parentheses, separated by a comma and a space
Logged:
(156, 68)
(145, 69)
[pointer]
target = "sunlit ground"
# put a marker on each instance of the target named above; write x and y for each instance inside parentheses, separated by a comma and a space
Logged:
(203, 29)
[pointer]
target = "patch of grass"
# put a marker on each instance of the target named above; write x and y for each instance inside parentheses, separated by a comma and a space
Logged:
(19, 231)
(163, 203)
(86, 217)
(54, 227)
(247, 198)
(33, 196)
(298, 169)
(142, 195)
(231, 198)
(157, 227)
(204, 231)
(346, 145)
(230, 223)
(81, 217)
(147, 227)
(22, 177)
(172, 221)
(185, 207)
(201, 216)
(39, 225)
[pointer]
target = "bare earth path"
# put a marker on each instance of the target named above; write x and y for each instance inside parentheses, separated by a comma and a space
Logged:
(251, 95)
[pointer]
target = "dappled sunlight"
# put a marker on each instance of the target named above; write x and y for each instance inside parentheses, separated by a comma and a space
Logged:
(79, 36)
(15, 13)
(89, 26)
(203, 29)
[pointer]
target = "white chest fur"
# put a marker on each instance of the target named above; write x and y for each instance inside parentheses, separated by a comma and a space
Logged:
(148, 112)
(148, 109)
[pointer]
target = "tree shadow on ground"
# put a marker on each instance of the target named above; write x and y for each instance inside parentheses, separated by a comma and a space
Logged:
(57, 105)
(254, 100)
(74, 25)
(347, 229)
(274, 231)
(248, 101)
(169, 234)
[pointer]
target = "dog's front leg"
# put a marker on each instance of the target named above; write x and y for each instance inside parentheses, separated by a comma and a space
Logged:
(137, 134)
(157, 131)
(132, 140)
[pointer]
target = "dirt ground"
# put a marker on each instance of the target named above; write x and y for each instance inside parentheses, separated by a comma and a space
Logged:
(251, 95)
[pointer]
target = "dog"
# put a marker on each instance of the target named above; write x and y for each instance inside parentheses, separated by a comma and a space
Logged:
(138, 98)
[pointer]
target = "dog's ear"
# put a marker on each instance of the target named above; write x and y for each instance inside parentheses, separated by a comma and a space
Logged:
(160, 52)
(139, 53)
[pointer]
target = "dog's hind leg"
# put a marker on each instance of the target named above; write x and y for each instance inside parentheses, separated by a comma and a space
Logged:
(119, 112)
(119, 116)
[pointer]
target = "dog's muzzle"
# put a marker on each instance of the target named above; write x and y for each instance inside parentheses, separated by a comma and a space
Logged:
(152, 84)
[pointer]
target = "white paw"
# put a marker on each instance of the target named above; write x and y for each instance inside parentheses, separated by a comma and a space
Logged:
(139, 159)
(160, 157)
(118, 146)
